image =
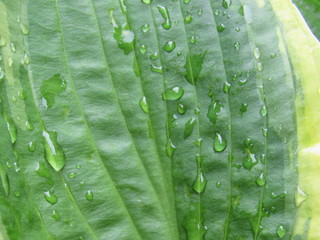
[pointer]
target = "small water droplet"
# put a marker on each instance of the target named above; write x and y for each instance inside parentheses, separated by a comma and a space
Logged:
(29, 125)
(12, 129)
(17, 194)
(263, 158)
(53, 151)
(155, 56)
(218, 184)
(82, 183)
(237, 29)
(226, 3)
(189, 127)
(165, 14)
(143, 49)
(186, 1)
(143, 104)
(237, 46)
(217, 12)
(256, 53)
(50, 197)
(243, 81)
(72, 175)
(55, 215)
(31, 146)
(300, 196)
(147, 1)
(273, 55)
(198, 142)
(89, 195)
(181, 108)
(219, 143)
(221, 27)
(263, 111)
(243, 107)
(226, 87)
(188, 19)
(200, 12)
(156, 69)
(3, 41)
(10, 61)
(261, 180)
(169, 46)
(265, 132)
(145, 28)
(24, 29)
(281, 231)
(193, 39)
(173, 93)
(171, 120)
(248, 143)
(170, 148)
(260, 66)
(12, 47)
(249, 161)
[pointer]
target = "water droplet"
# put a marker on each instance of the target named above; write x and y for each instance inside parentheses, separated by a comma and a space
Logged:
(263, 158)
(261, 180)
(72, 175)
(188, 19)
(169, 46)
(2, 73)
(226, 3)
(156, 69)
(143, 104)
(82, 183)
(3, 41)
(189, 127)
(281, 231)
(186, 1)
(29, 125)
(31, 146)
(200, 12)
(171, 120)
(214, 110)
(55, 215)
(170, 148)
(173, 93)
(248, 143)
(147, 1)
(273, 55)
(12, 129)
(193, 39)
(249, 162)
(10, 61)
(165, 14)
(155, 56)
(237, 29)
(89, 195)
(198, 142)
(52, 87)
(53, 151)
(265, 132)
(218, 184)
(43, 171)
(243, 107)
(50, 197)
(24, 29)
(242, 82)
(12, 47)
(221, 27)
(300, 196)
(181, 109)
(256, 53)
(17, 194)
(237, 46)
(260, 66)
(263, 111)
(145, 28)
(143, 48)
(226, 87)
(219, 143)
(199, 184)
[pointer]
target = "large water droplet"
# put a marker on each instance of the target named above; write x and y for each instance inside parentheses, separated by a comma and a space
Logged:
(53, 151)
(52, 87)
(200, 183)
(169, 46)
(221, 27)
(29, 125)
(249, 161)
(189, 127)
(145, 28)
(89, 195)
(214, 110)
(43, 171)
(261, 180)
(219, 143)
(50, 197)
(173, 93)
(281, 231)
(165, 14)
(143, 104)
(188, 19)
(170, 148)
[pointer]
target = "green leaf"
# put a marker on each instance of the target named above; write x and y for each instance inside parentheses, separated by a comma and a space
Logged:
(164, 120)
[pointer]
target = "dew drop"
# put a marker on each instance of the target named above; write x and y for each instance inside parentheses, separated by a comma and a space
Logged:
(181, 109)
(143, 49)
(3, 41)
(24, 29)
(43, 171)
(29, 125)
(226, 3)
(237, 46)
(199, 184)
(193, 39)
(261, 181)
(53, 151)
(12, 129)
(145, 28)
(50, 197)
(143, 104)
(214, 110)
(155, 56)
(281, 231)
(147, 1)
(72, 175)
(165, 14)
(31, 146)
(55, 215)
(170, 148)
(260, 66)
(173, 93)
(17, 194)
(221, 27)
(243, 107)
(237, 29)
(89, 195)
(200, 12)
(82, 183)
(188, 19)
(273, 55)
(226, 87)
(242, 82)
(12, 47)
(189, 127)
(186, 1)
(249, 162)
(263, 111)
(198, 142)
(248, 143)
(219, 143)
(10, 61)
(169, 46)
(51, 88)
(256, 53)
(218, 184)
(265, 132)
(157, 69)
